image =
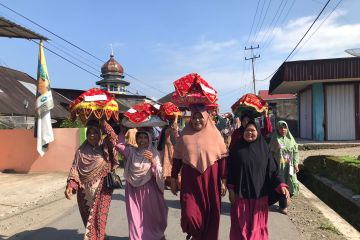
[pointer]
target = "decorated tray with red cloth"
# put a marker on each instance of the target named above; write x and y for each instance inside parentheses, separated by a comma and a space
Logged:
(177, 100)
(250, 102)
(95, 103)
(168, 111)
(193, 89)
(143, 115)
(212, 106)
(141, 112)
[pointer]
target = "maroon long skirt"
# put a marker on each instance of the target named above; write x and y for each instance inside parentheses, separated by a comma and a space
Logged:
(200, 202)
(249, 219)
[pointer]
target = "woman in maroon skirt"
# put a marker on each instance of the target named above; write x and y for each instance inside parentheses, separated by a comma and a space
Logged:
(201, 153)
(254, 183)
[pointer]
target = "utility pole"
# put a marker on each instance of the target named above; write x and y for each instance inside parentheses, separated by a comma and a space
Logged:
(253, 57)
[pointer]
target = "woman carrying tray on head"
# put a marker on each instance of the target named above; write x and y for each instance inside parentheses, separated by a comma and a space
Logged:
(167, 141)
(93, 161)
(144, 190)
(200, 153)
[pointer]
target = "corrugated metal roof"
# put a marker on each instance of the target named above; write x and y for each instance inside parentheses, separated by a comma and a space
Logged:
(264, 94)
(14, 92)
(13, 30)
(342, 69)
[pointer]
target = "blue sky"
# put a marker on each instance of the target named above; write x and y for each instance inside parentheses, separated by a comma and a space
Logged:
(159, 41)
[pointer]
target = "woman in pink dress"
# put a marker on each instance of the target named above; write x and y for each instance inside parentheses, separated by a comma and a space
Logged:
(144, 190)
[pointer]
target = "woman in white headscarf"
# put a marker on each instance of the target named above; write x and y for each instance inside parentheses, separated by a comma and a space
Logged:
(144, 190)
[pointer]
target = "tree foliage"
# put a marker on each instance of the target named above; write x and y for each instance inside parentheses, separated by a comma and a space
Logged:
(67, 123)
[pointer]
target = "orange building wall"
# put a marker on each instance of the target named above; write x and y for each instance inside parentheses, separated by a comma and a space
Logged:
(18, 151)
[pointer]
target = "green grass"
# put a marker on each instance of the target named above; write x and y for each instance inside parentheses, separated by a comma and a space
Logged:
(329, 227)
(342, 169)
(350, 160)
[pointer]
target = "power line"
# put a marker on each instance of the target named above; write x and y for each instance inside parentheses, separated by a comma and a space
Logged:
(242, 75)
(307, 30)
(19, 14)
(300, 40)
(258, 22)
(272, 27)
(262, 22)
(272, 36)
(144, 83)
(74, 45)
(253, 21)
(64, 58)
(96, 69)
(70, 52)
(336, 6)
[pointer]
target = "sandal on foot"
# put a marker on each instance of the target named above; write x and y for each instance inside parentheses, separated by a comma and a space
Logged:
(284, 211)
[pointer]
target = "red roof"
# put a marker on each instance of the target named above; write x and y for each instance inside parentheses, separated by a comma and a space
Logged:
(264, 94)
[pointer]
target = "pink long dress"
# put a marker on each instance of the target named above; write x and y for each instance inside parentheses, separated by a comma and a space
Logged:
(145, 204)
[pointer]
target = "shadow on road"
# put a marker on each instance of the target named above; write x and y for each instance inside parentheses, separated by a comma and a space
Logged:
(53, 234)
(173, 203)
(118, 196)
(274, 208)
(225, 208)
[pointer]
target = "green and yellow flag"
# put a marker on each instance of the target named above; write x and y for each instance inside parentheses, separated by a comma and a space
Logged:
(44, 103)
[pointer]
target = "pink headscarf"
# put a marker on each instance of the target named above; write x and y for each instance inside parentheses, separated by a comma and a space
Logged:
(138, 170)
(200, 149)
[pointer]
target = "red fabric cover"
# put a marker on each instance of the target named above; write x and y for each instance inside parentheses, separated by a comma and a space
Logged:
(83, 110)
(177, 100)
(212, 106)
(250, 100)
(168, 109)
(143, 111)
(194, 89)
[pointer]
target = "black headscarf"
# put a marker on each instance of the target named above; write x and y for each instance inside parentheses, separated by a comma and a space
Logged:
(252, 169)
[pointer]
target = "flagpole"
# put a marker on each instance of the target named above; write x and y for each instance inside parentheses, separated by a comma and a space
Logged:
(44, 103)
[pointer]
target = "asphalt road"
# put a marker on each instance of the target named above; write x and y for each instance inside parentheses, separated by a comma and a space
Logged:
(68, 224)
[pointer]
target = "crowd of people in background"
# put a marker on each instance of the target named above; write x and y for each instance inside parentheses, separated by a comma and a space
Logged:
(203, 157)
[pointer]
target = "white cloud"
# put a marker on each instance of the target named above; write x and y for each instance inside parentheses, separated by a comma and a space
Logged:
(220, 63)
(330, 40)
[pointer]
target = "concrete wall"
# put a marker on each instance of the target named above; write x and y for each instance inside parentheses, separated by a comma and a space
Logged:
(318, 131)
(287, 111)
(18, 150)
